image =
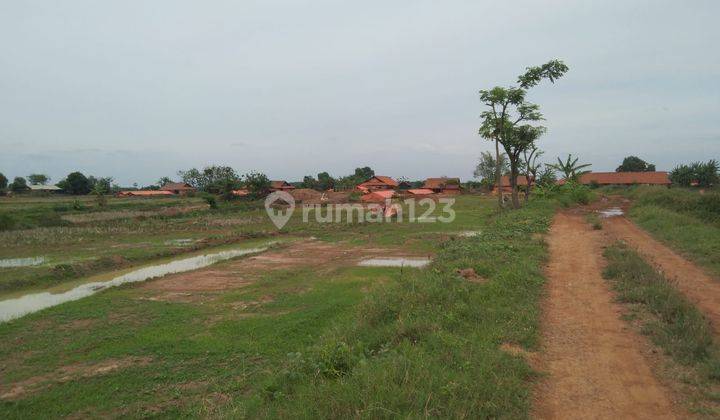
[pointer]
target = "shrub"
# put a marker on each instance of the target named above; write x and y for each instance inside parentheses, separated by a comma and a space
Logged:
(7, 222)
(210, 200)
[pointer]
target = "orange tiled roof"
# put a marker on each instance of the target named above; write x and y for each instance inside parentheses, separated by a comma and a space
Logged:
(625, 178)
(505, 181)
(379, 180)
(172, 186)
(421, 191)
(146, 193)
(442, 183)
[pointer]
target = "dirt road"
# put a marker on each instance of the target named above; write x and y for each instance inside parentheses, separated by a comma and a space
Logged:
(593, 361)
(692, 281)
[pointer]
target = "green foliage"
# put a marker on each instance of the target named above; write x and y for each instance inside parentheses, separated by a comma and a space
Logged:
(76, 184)
(635, 164)
(3, 183)
(38, 179)
(568, 194)
(164, 180)
(257, 184)
(485, 169)
(212, 179)
(696, 174)
(705, 207)
(19, 185)
(326, 182)
(546, 177)
(210, 200)
(7, 222)
(570, 168)
(509, 117)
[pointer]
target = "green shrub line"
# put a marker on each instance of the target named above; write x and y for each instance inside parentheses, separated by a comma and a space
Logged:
(672, 322)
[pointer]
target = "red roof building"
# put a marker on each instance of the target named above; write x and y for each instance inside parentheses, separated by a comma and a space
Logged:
(145, 193)
(378, 182)
(178, 188)
(505, 183)
(443, 185)
(420, 191)
(624, 178)
(281, 186)
(378, 196)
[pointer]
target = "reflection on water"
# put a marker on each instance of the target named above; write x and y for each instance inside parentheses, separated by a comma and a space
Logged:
(15, 308)
(395, 262)
(21, 262)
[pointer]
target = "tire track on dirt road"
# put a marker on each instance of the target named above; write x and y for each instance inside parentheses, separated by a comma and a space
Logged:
(699, 287)
(593, 361)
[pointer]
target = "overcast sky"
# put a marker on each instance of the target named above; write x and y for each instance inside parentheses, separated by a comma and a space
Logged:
(140, 89)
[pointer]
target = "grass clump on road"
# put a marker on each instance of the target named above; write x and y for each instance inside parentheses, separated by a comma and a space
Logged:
(672, 322)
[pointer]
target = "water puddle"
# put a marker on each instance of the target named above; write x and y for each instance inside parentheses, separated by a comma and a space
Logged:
(395, 262)
(180, 242)
(15, 308)
(469, 233)
(21, 262)
(611, 212)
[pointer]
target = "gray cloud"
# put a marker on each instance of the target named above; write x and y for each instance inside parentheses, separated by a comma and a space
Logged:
(138, 90)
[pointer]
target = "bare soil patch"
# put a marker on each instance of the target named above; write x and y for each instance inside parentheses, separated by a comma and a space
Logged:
(594, 363)
(242, 272)
(18, 390)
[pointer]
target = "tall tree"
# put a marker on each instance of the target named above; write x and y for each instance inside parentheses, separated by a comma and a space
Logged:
(257, 184)
(164, 180)
(18, 185)
(325, 181)
(211, 179)
(507, 121)
(363, 174)
(3, 183)
(38, 179)
(570, 168)
(635, 164)
(76, 183)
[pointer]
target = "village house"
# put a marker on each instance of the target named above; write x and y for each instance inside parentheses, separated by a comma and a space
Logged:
(146, 193)
(623, 178)
(377, 183)
(505, 184)
(420, 191)
(443, 185)
(179, 188)
(281, 186)
(44, 188)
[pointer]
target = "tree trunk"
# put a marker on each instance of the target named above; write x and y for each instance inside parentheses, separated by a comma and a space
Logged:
(528, 178)
(513, 184)
(498, 174)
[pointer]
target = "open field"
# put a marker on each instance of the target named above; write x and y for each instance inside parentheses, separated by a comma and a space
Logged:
(298, 328)
(275, 335)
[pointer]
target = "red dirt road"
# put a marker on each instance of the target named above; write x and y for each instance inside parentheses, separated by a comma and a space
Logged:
(593, 361)
(693, 282)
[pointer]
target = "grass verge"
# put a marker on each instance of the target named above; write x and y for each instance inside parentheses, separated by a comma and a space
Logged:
(672, 323)
(429, 344)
